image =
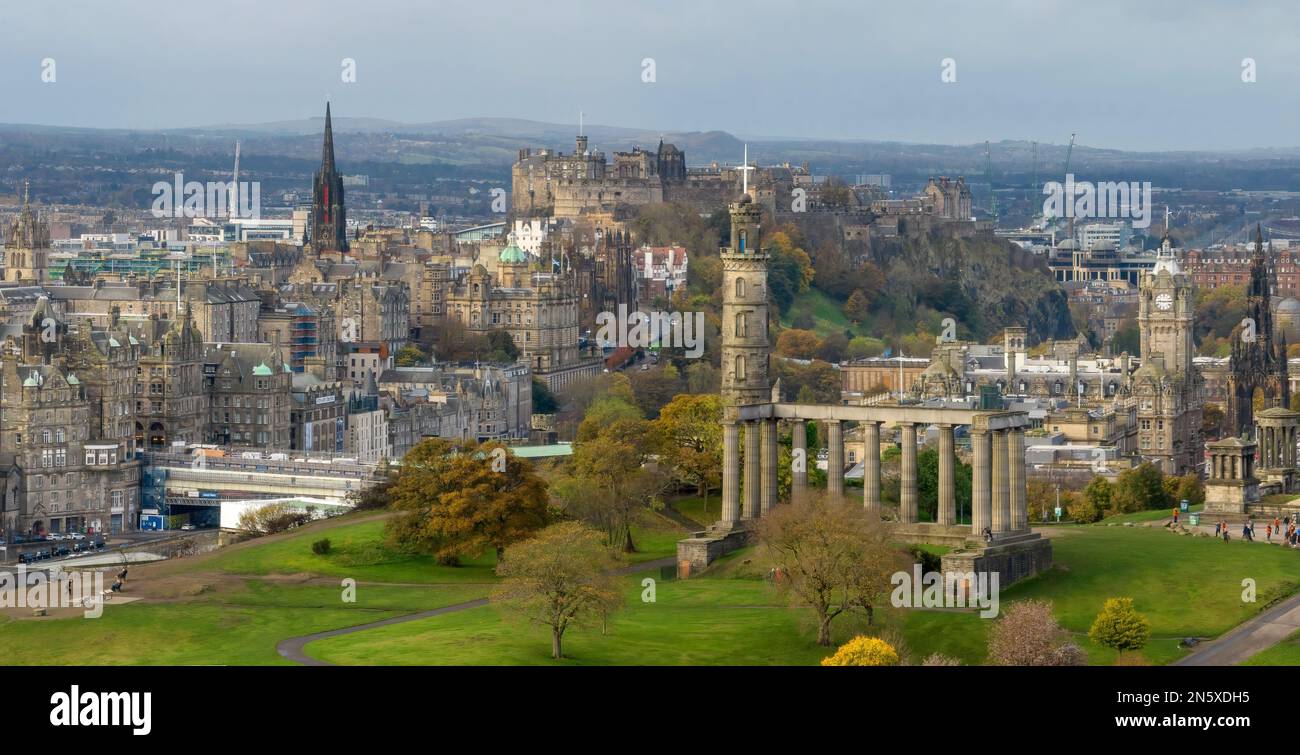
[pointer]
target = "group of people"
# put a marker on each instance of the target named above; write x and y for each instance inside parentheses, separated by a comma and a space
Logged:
(1285, 528)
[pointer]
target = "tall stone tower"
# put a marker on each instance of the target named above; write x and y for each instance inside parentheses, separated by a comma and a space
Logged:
(27, 245)
(1258, 361)
(1165, 311)
(1168, 387)
(745, 347)
(329, 226)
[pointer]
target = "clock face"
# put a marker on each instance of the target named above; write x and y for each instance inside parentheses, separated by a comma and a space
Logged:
(1164, 301)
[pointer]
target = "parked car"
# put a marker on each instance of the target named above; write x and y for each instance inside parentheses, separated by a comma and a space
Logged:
(62, 550)
(76, 536)
(187, 527)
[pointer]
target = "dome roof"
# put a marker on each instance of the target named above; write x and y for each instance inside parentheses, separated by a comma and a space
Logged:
(1290, 305)
(513, 255)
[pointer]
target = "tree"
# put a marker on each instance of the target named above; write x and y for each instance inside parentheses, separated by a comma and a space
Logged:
(857, 308)
(270, 519)
(1098, 496)
(1138, 489)
(610, 484)
(832, 558)
(1028, 635)
(558, 579)
(1120, 626)
(543, 400)
(863, 651)
(800, 344)
(410, 356)
(689, 434)
(455, 500)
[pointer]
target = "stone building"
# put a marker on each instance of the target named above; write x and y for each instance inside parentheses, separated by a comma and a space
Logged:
(27, 246)
(249, 393)
(1168, 387)
(171, 400)
(951, 199)
(540, 310)
(62, 473)
(551, 183)
(329, 226)
(318, 416)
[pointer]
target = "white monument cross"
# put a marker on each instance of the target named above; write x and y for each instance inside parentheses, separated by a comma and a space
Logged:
(744, 173)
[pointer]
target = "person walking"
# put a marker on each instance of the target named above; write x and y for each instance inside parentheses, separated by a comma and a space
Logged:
(1218, 528)
(1268, 533)
(1175, 516)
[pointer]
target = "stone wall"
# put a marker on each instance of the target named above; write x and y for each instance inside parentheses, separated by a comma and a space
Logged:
(1013, 561)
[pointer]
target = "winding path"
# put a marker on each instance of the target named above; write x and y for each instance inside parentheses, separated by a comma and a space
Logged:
(293, 648)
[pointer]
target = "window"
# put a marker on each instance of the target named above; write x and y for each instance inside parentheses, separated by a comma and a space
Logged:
(740, 368)
(740, 288)
(740, 325)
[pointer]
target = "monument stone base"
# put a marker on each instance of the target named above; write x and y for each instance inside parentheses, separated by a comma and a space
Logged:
(699, 550)
(1013, 558)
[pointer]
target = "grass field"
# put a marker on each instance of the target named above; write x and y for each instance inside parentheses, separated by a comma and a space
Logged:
(1170, 578)
(232, 607)
(827, 314)
(1151, 516)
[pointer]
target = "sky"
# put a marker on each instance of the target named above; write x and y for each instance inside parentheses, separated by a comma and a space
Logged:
(1148, 75)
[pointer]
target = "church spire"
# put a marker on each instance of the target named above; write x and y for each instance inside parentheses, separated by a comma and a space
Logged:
(327, 147)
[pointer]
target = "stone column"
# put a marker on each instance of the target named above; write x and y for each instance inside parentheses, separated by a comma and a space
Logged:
(1001, 488)
(871, 467)
(947, 512)
(981, 494)
(730, 472)
(769, 466)
(834, 460)
(799, 442)
(1016, 478)
(907, 475)
(753, 476)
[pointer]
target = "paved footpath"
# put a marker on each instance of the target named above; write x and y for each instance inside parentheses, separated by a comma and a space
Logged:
(292, 648)
(1260, 633)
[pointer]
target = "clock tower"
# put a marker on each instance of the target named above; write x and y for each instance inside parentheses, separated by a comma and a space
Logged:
(1165, 311)
(1168, 385)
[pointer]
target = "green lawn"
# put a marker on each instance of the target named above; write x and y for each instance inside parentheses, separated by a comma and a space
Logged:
(241, 625)
(1184, 585)
(356, 550)
(232, 628)
(1285, 653)
(827, 314)
(694, 507)
(1154, 515)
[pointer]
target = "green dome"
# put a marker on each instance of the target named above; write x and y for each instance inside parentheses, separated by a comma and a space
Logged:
(513, 255)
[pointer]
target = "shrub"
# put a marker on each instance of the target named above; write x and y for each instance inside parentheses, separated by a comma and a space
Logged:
(321, 547)
(863, 651)
(929, 562)
(1120, 626)
(939, 659)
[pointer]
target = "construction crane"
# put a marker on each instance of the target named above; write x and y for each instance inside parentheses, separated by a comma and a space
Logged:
(988, 175)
